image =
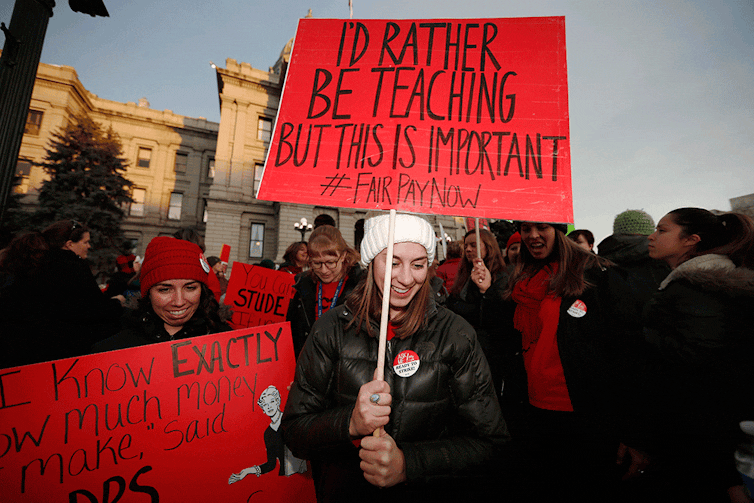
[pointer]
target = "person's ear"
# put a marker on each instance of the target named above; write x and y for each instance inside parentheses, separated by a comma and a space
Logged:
(68, 245)
(692, 240)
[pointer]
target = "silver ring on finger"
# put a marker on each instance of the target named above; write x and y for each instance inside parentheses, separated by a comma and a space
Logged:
(375, 398)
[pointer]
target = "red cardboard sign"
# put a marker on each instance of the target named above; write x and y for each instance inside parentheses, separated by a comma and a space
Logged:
(471, 224)
(258, 295)
(225, 253)
(175, 421)
(457, 117)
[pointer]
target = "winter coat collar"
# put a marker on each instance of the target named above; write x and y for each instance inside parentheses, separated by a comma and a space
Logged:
(345, 313)
(713, 272)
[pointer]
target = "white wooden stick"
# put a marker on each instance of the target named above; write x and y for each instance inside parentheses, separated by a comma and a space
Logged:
(384, 318)
(478, 245)
(444, 244)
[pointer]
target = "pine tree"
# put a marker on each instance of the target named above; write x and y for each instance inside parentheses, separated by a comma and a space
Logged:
(86, 169)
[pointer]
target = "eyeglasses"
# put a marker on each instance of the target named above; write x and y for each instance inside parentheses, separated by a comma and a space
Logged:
(329, 264)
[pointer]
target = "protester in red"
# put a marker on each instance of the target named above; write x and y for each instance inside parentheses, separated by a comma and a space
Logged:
(448, 270)
(176, 301)
(333, 273)
(295, 258)
(578, 329)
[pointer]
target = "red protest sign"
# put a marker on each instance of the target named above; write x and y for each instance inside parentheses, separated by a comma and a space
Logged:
(258, 295)
(471, 224)
(225, 253)
(453, 117)
(170, 421)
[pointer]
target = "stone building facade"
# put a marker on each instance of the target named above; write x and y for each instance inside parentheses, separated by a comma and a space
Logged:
(170, 157)
(191, 171)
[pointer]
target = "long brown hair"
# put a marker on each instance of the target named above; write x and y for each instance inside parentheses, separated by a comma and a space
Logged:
(493, 261)
(730, 234)
(365, 302)
(572, 261)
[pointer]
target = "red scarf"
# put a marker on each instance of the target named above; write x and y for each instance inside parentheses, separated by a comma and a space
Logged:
(536, 317)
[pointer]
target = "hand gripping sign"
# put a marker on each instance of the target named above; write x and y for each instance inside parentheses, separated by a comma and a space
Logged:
(456, 117)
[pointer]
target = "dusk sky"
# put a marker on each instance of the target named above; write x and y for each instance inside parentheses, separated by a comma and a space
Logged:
(661, 94)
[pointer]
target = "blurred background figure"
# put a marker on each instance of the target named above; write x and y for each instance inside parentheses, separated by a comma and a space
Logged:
(628, 248)
(324, 219)
(448, 269)
(512, 250)
(584, 238)
(54, 308)
(176, 301)
(295, 258)
(333, 272)
(220, 269)
(126, 270)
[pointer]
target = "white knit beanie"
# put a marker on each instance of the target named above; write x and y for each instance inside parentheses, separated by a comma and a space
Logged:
(408, 229)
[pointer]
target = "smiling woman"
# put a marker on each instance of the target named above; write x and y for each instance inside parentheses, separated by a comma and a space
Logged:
(435, 413)
(576, 327)
(176, 302)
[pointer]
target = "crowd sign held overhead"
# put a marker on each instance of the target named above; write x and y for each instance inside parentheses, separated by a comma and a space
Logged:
(258, 295)
(163, 422)
(456, 117)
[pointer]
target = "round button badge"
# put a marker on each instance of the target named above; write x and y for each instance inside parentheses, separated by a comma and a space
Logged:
(577, 309)
(406, 363)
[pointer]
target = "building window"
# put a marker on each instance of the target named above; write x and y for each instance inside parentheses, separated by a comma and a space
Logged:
(211, 168)
(33, 122)
(258, 172)
(137, 205)
(181, 161)
(264, 129)
(176, 201)
(205, 216)
(23, 170)
(145, 155)
(256, 244)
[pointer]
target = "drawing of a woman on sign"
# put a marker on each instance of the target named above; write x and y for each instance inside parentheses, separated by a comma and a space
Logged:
(269, 401)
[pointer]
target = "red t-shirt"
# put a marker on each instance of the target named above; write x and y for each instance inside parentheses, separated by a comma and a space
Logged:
(328, 291)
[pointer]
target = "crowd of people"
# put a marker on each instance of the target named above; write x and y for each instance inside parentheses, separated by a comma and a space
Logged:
(542, 371)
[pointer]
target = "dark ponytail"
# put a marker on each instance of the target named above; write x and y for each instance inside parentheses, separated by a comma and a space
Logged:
(730, 234)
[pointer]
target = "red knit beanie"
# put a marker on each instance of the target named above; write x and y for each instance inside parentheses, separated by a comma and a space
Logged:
(515, 238)
(170, 258)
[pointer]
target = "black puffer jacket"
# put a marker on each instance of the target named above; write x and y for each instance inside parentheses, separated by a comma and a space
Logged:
(700, 327)
(143, 326)
(445, 417)
(632, 254)
(303, 306)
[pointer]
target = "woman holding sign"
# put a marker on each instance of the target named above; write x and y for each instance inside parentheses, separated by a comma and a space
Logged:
(480, 283)
(333, 273)
(577, 326)
(176, 301)
(434, 417)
